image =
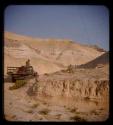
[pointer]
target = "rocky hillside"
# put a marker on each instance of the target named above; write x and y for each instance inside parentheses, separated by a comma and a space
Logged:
(47, 55)
(101, 60)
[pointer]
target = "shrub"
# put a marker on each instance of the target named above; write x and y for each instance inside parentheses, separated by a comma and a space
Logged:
(46, 74)
(44, 112)
(94, 112)
(78, 119)
(73, 110)
(34, 105)
(28, 110)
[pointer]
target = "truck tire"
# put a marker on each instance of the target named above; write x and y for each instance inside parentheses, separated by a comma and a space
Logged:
(13, 79)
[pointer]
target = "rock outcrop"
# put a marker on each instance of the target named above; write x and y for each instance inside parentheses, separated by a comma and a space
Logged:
(90, 88)
(82, 83)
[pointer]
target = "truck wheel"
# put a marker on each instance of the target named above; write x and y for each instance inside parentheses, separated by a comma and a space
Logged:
(13, 79)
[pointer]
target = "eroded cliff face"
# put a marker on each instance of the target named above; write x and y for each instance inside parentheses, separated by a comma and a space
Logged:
(83, 83)
(91, 88)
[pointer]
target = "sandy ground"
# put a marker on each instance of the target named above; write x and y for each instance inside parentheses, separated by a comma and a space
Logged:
(18, 106)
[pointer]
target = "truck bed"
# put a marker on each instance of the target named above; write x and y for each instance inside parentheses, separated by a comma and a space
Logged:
(11, 70)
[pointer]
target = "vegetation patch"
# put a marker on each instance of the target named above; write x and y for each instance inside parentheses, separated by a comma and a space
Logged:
(94, 112)
(46, 74)
(73, 110)
(101, 109)
(28, 110)
(34, 105)
(78, 112)
(64, 106)
(58, 115)
(45, 103)
(78, 119)
(41, 119)
(44, 111)
(18, 84)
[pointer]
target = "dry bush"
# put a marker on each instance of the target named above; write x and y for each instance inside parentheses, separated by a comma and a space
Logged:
(45, 103)
(73, 110)
(94, 112)
(78, 119)
(101, 109)
(44, 111)
(34, 105)
(28, 110)
(46, 74)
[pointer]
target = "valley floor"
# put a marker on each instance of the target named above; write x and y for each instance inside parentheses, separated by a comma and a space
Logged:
(18, 106)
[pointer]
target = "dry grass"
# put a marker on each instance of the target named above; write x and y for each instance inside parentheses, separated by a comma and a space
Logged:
(94, 112)
(46, 74)
(28, 110)
(58, 115)
(101, 109)
(44, 111)
(45, 103)
(73, 110)
(78, 119)
(34, 105)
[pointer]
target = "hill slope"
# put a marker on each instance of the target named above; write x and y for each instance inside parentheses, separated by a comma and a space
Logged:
(47, 55)
(103, 59)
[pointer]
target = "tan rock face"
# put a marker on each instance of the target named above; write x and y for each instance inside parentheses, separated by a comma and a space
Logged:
(81, 83)
(75, 88)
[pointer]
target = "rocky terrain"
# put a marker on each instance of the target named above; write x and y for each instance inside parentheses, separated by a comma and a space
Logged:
(78, 92)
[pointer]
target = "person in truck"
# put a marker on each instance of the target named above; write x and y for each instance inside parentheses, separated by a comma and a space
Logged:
(28, 63)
